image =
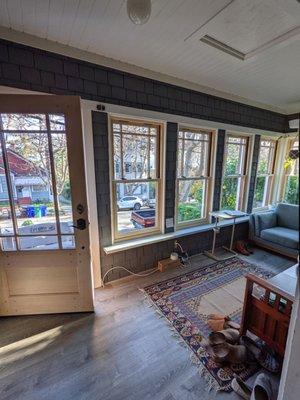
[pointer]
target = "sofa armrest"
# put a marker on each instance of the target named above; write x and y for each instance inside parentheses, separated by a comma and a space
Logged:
(264, 220)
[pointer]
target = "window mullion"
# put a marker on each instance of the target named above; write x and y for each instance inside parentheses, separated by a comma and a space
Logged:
(148, 157)
(182, 156)
(9, 186)
(53, 180)
(121, 150)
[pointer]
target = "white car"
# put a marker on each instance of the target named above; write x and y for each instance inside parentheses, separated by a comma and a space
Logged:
(130, 203)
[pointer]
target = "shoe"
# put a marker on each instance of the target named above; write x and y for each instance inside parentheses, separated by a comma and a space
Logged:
(261, 354)
(262, 389)
(233, 325)
(240, 248)
(226, 352)
(229, 335)
(218, 322)
(241, 388)
(248, 247)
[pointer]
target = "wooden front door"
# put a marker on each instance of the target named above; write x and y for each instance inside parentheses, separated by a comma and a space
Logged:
(45, 264)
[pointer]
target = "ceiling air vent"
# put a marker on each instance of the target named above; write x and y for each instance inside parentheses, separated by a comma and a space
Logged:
(223, 47)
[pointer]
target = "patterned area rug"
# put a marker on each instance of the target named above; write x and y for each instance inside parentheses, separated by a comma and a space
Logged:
(187, 300)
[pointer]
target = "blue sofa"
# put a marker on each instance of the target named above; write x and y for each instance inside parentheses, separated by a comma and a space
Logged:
(277, 230)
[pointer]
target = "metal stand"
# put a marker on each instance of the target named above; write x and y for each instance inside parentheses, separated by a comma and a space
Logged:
(211, 254)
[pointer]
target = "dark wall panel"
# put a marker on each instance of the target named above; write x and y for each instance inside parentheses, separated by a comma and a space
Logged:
(146, 257)
(254, 165)
(170, 173)
(34, 69)
(219, 169)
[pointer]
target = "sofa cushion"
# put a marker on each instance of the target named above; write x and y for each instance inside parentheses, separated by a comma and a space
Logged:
(264, 220)
(283, 236)
(288, 216)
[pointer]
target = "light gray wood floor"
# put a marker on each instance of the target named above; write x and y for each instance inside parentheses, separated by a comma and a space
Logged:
(121, 352)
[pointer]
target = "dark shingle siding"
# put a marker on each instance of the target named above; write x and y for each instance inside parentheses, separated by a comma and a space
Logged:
(72, 76)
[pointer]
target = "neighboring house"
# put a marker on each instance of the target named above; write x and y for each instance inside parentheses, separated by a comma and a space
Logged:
(27, 181)
(142, 190)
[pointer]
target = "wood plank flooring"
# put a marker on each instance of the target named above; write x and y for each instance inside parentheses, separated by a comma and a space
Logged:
(121, 352)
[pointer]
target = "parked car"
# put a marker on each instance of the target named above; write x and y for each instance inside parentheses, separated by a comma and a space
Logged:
(130, 203)
(143, 218)
(150, 203)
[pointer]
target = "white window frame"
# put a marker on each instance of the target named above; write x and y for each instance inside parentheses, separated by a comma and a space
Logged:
(244, 176)
(269, 175)
(207, 178)
(158, 228)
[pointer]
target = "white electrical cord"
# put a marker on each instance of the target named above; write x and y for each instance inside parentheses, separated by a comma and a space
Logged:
(147, 273)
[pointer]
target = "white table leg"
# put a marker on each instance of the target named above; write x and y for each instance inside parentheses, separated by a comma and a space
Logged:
(230, 249)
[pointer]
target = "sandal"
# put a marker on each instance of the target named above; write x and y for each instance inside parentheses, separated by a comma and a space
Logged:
(262, 389)
(261, 354)
(241, 388)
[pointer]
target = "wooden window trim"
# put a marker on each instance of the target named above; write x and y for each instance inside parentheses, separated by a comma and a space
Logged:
(207, 178)
(270, 174)
(117, 236)
(244, 176)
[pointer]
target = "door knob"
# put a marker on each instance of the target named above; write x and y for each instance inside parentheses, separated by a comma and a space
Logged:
(81, 224)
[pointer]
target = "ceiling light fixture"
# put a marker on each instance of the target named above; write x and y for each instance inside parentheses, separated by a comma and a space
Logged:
(139, 11)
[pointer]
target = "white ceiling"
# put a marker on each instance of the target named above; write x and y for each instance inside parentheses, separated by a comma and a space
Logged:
(169, 42)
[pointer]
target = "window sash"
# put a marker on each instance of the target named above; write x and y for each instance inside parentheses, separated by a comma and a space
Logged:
(292, 171)
(183, 139)
(121, 134)
(117, 235)
(243, 150)
(269, 175)
(205, 178)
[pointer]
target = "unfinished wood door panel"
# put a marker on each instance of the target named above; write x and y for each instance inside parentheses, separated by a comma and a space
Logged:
(34, 280)
(45, 264)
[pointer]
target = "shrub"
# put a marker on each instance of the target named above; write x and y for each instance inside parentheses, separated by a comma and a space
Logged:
(188, 212)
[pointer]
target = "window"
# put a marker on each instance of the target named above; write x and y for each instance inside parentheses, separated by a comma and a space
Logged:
(193, 173)
(265, 173)
(34, 161)
(136, 177)
(291, 167)
(234, 175)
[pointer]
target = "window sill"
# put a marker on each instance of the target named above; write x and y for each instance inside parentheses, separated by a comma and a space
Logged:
(134, 243)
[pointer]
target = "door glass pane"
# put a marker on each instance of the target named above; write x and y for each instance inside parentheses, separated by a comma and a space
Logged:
(136, 203)
(57, 122)
(191, 195)
(6, 225)
(23, 122)
(68, 242)
(29, 163)
(8, 244)
(38, 243)
(62, 176)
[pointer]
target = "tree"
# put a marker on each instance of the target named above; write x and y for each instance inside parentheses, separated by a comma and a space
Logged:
(33, 145)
